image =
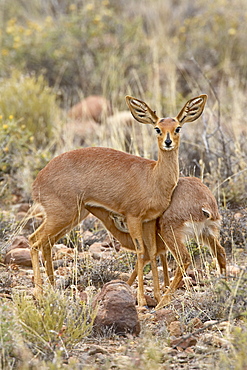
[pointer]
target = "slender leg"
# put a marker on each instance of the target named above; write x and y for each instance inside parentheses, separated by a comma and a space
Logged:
(182, 257)
(162, 252)
(217, 250)
(50, 231)
(36, 270)
(133, 275)
(149, 234)
(163, 259)
(135, 229)
(40, 240)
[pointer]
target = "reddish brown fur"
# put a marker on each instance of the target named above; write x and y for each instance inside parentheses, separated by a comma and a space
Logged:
(138, 188)
(189, 199)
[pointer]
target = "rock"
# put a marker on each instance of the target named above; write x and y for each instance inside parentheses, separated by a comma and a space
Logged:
(18, 242)
(23, 207)
(175, 329)
(183, 343)
(151, 302)
(212, 324)
(19, 256)
(195, 324)
(238, 215)
(116, 309)
(95, 248)
(124, 276)
(216, 341)
(93, 349)
(111, 242)
(63, 252)
(233, 270)
(165, 315)
(92, 107)
(97, 251)
(60, 263)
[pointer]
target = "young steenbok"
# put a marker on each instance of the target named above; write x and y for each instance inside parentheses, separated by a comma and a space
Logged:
(135, 187)
(193, 213)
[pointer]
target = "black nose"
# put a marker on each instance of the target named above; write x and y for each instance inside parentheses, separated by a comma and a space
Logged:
(168, 142)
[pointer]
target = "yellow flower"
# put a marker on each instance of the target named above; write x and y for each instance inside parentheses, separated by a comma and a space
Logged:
(11, 116)
(28, 32)
(1, 117)
(232, 31)
(23, 127)
(5, 127)
(4, 52)
(12, 21)
(72, 7)
(48, 20)
(97, 19)
(31, 139)
(89, 7)
(182, 29)
(9, 29)
(6, 149)
(16, 45)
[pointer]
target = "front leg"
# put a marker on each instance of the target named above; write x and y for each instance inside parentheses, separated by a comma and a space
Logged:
(135, 230)
(149, 236)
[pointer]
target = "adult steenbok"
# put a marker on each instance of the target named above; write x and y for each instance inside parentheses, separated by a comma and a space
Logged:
(193, 213)
(135, 187)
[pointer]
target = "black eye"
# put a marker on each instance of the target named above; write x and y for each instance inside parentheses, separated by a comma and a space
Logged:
(177, 130)
(158, 130)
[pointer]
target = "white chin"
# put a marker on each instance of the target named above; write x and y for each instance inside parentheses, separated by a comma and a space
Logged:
(168, 148)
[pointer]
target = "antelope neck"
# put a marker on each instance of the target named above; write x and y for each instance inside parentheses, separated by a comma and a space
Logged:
(167, 170)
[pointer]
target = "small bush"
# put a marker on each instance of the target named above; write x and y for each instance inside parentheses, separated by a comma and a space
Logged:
(12, 348)
(54, 323)
(20, 161)
(31, 104)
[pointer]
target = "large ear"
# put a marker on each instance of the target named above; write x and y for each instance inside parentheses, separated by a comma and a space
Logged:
(192, 109)
(141, 111)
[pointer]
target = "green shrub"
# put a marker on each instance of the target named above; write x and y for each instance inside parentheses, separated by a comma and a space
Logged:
(54, 323)
(20, 161)
(74, 49)
(32, 107)
(12, 348)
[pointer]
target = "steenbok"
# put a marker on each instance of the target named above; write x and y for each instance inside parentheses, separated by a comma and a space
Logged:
(135, 187)
(193, 213)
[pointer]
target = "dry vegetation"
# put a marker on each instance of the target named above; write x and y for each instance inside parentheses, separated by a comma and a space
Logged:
(52, 55)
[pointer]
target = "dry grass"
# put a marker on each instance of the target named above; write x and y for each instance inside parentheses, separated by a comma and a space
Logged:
(163, 52)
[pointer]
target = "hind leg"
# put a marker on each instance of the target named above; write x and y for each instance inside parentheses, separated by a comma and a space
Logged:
(179, 251)
(37, 241)
(49, 232)
(163, 258)
(217, 250)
